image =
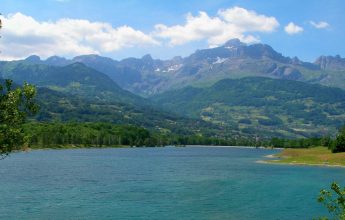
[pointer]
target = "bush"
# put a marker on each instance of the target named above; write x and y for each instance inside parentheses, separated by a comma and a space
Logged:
(340, 141)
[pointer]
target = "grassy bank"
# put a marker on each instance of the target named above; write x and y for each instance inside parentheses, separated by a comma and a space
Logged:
(311, 156)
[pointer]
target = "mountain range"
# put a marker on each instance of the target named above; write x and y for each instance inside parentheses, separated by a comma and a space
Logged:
(147, 76)
(232, 90)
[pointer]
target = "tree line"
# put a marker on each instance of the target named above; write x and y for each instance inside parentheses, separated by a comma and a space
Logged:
(99, 134)
(336, 144)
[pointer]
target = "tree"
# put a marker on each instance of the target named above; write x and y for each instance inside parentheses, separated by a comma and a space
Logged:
(340, 141)
(15, 105)
(334, 201)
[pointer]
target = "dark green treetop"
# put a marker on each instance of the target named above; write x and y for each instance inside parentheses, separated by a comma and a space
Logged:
(340, 141)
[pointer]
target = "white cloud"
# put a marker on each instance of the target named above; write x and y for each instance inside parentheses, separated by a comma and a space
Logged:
(292, 28)
(230, 23)
(22, 35)
(249, 20)
(319, 25)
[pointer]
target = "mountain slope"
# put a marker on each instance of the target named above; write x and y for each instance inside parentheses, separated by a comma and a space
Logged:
(270, 107)
(81, 106)
(57, 106)
(75, 79)
(122, 75)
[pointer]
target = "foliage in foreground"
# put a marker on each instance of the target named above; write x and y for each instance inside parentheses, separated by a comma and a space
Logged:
(334, 201)
(15, 104)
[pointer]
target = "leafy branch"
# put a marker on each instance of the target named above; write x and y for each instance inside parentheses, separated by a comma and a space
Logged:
(334, 201)
(15, 104)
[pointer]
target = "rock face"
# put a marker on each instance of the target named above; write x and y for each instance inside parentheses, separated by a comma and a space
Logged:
(234, 43)
(287, 73)
(236, 49)
(331, 63)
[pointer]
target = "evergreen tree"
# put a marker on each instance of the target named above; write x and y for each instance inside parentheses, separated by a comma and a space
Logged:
(340, 141)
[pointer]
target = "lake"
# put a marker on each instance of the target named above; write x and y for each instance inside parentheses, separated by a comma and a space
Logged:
(159, 183)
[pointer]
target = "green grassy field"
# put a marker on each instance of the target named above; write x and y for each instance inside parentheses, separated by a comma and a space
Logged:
(310, 156)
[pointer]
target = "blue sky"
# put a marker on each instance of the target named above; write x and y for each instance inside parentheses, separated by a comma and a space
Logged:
(120, 29)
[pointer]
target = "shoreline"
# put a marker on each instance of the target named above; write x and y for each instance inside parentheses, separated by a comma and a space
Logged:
(67, 147)
(70, 147)
(275, 158)
(277, 162)
(245, 147)
(316, 156)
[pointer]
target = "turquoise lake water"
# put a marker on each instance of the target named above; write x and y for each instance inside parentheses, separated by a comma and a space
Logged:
(159, 183)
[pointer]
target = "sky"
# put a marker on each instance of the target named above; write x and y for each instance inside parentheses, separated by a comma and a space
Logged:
(164, 29)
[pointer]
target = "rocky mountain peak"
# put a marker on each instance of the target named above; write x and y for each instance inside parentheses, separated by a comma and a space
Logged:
(147, 57)
(331, 62)
(234, 43)
(57, 61)
(87, 57)
(33, 59)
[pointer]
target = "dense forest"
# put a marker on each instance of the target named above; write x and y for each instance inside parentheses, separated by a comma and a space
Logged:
(88, 134)
(96, 134)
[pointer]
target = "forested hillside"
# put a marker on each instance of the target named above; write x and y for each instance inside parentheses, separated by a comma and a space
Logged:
(269, 107)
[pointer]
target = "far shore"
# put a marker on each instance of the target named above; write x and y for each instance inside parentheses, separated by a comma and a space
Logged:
(317, 156)
(72, 146)
(250, 147)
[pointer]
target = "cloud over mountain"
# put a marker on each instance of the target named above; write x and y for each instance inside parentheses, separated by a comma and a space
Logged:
(23, 35)
(229, 23)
